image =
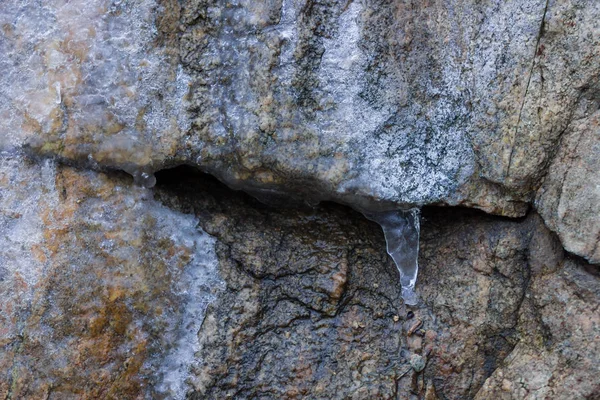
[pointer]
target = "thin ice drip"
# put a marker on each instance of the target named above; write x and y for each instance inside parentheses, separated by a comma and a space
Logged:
(401, 229)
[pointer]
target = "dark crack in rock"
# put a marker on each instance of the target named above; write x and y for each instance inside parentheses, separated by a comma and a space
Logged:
(312, 306)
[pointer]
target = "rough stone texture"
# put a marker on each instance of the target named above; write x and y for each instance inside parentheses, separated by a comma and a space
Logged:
(360, 102)
(553, 361)
(569, 199)
(311, 307)
(91, 81)
(102, 289)
(104, 292)
(376, 104)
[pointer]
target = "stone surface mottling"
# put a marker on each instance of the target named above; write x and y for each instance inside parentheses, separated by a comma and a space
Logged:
(373, 104)
(312, 307)
(91, 81)
(569, 199)
(105, 283)
(102, 289)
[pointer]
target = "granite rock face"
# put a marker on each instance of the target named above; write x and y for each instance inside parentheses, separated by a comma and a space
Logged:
(117, 288)
(312, 307)
(569, 199)
(374, 104)
(102, 289)
(111, 290)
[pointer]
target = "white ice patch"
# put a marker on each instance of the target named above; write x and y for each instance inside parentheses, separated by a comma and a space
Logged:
(342, 75)
(196, 285)
(23, 189)
(74, 68)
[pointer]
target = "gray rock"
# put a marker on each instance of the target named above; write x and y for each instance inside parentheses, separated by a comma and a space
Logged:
(569, 199)
(374, 104)
(417, 362)
(105, 290)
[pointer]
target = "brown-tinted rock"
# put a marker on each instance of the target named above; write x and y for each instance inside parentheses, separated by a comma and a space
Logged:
(569, 199)
(281, 328)
(560, 350)
(112, 288)
(102, 290)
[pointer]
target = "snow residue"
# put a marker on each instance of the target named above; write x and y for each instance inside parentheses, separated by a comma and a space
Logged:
(196, 286)
(86, 77)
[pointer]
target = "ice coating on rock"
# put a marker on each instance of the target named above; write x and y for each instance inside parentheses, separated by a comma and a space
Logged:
(132, 277)
(24, 189)
(288, 96)
(196, 287)
(143, 177)
(401, 229)
(92, 77)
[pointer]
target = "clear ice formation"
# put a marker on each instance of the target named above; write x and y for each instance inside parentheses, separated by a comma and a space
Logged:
(401, 229)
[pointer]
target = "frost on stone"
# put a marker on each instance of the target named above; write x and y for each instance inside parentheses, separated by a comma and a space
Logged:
(401, 229)
(97, 248)
(25, 188)
(86, 77)
(301, 96)
(195, 286)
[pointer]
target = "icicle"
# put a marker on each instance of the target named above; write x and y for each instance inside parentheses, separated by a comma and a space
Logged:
(401, 229)
(144, 179)
(142, 176)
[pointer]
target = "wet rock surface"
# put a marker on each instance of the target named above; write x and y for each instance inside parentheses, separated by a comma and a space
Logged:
(110, 288)
(102, 290)
(325, 320)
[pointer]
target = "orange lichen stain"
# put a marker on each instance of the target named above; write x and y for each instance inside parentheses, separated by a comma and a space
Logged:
(120, 317)
(97, 325)
(115, 293)
(20, 284)
(99, 320)
(30, 125)
(128, 384)
(38, 252)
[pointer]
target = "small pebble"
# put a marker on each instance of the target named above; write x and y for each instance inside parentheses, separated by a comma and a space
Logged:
(430, 335)
(417, 362)
(396, 318)
(414, 327)
(410, 315)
